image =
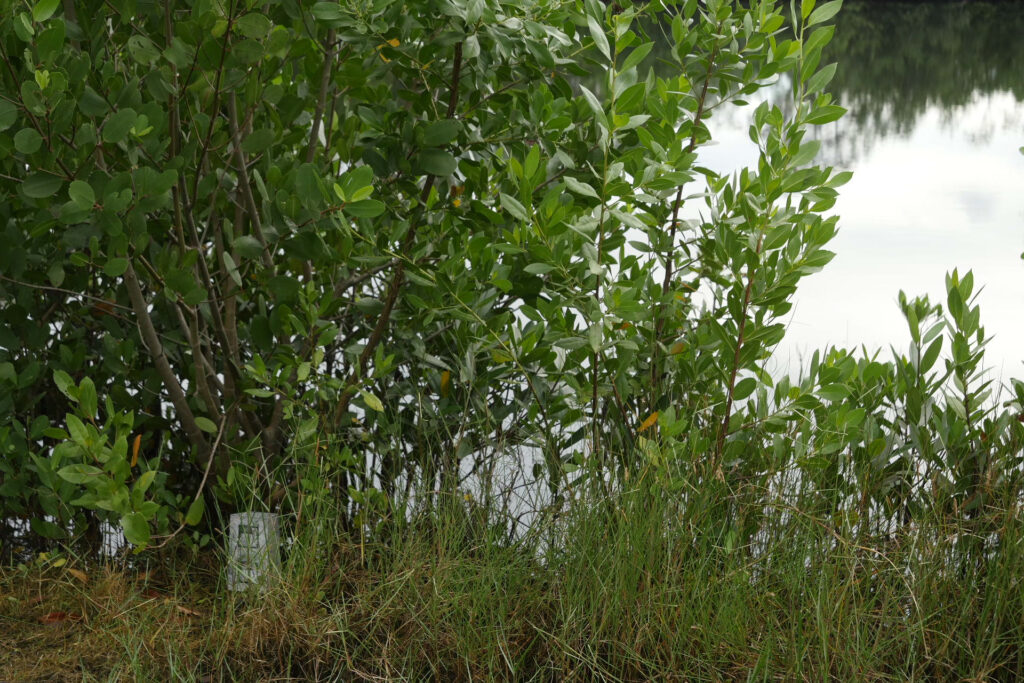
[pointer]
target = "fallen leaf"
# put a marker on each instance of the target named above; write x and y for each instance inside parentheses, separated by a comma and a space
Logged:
(188, 612)
(649, 422)
(52, 618)
(78, 574)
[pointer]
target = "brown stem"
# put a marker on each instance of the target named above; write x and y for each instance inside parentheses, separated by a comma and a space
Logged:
(244, 184)
(659, 320)
(321, 100)
(723, 432)
(399, 275)
(202, 483)
(163, 367)
(71, 17)
(215, 109)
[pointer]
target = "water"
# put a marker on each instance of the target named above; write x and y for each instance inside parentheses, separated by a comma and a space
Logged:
(935, 94)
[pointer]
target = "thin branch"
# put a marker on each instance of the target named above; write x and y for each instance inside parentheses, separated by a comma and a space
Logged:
(163, 367)
(202, 484)
(724, 430)
(321, 100)
(244, 184)
(399, 276)
(659, 321)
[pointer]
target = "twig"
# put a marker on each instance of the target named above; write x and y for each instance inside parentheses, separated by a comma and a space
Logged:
(202, 484)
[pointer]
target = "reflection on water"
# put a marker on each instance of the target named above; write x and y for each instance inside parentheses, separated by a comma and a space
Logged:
(900, 63)
(936, 116)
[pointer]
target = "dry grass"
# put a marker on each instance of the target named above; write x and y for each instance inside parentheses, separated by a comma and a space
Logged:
(629, 600)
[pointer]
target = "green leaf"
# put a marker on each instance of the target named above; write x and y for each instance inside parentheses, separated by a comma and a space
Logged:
(307, 185)
(372, 401)
(206, 424)
(136, 529)
(248, 246)
(744, 388)
(539, 268)
(636, 56)
(581, 188)
(368, 208)
(595, 336)
(512, 205)
(118, 125)
(327, 11)
(833, 392)
(87, 398)
(47, 529)
(8, 114)
(825, 12)
(50, 42)
(144, 481)
(79, 473)
(436, 162)
(441, 132)
(825, 114)
(600, 39)
(819, 80)
(253, 25)
(28, 141)
(23, 28)
(593, 103)
(195, 511)
(532, 161)
(92, 104)
(79, 434)
(931, 354)
(355, 184)
(81, 193)
(116, 267)
(44, 9)
(808, 150)
(258, 140)
(41, 185)
(143, 50)
(65, 384)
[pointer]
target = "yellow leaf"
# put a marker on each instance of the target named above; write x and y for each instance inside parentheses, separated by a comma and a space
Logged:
(457, 203)
(394, 42)
(59, 562)
(677, 348)
(79, 574)
(135, 449)
(446, 380)
(649, 422)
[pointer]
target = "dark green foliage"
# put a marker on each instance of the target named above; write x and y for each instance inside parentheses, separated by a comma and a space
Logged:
(258, 255)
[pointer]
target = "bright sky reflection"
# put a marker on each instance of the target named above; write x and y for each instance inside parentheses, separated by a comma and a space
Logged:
(947, 193)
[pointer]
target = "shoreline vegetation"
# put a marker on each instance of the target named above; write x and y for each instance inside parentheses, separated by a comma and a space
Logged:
(418, 281)
(626, 590)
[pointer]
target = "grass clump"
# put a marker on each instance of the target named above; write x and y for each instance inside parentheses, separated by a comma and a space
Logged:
(629, 587)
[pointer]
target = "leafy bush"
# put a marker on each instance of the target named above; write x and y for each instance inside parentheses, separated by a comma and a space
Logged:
(353, 248)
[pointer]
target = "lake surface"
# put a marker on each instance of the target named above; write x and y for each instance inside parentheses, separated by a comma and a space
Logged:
(935, 94)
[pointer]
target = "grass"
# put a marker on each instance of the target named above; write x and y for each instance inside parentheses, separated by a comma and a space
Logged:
(635, 587)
